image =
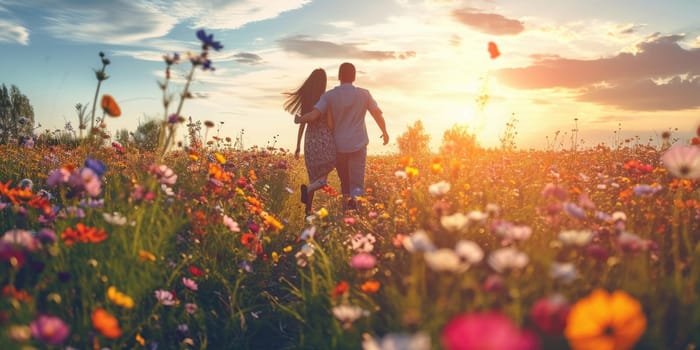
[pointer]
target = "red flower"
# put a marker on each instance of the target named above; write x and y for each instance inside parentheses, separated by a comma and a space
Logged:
(340, 289)
(83, 234)
(195, 271)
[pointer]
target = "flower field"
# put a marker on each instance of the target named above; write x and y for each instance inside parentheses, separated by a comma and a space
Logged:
(208, 248)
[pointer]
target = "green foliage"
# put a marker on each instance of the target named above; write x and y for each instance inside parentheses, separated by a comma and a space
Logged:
(16, 114)
(458, 142)
(146, 135)
(414, 141)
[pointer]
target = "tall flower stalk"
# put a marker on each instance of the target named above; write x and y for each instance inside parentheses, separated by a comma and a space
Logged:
(202, 59)
(101, 76)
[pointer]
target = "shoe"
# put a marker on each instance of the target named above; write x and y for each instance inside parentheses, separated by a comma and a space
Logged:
(304, 194)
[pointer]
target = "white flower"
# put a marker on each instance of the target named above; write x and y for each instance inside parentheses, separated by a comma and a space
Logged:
(442, 260)
(477, 216)
(565, 272)
(469, 251)
(418, 242)
(618, 216)
(683, 161)
(507, 258)
(400, 174)
(397, 341)
(115, 218)
(231, 224)
(439, 189)
(454, 222)
(574, 237)
(347, 314)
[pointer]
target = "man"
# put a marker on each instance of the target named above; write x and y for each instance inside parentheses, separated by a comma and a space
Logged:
(348, 105)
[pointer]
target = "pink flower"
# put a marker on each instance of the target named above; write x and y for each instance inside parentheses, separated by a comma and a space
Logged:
(166, 298)
(486, 330)
(363, 261)
(549, 314)
(49, 329)
(190, 283)
(683, 161)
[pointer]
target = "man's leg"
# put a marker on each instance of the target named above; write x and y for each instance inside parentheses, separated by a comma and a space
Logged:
(356, 165)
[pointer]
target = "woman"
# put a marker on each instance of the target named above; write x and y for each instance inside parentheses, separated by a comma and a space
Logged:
(319, 146)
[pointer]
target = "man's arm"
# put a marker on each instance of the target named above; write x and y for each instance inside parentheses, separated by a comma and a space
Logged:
(308, 117)
(379, 118)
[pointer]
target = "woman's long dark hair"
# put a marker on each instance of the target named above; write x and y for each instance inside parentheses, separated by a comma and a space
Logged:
(305, 97)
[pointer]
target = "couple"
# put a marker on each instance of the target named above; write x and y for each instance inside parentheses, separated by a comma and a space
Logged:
(336, 134)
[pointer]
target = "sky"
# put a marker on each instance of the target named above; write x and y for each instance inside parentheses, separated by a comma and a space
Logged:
(603, 71)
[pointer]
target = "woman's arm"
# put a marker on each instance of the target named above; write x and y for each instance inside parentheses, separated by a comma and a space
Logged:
(299, 134)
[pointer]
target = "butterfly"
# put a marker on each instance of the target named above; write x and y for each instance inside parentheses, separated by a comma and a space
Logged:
(493, 50)
(110, 106)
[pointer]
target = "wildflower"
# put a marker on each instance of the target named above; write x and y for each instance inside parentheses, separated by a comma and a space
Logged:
(370, 287)
(195, 271)
(304, 254)
(110, 106)
(347, 314)
(400, 174)
(493, 283)
(443, 260)
(411, 171)
(454, 222)
(119, 298)
(362, 243)
(191, 308)
(208, 41)
(418, 341)
(550, 313)
(83, 234)
(683, 161)
(605, 320)
(645, 190)
(363, 261)
(139, 339)
(507, 258)
(340, 289)
(575, 238)
(115, 218)
(565, 272)
(485, 330)
(190, 284)
(20, 238)
(287, 249)
(231, 224)
(469, 252)
(439, 189)
(418, 242)
(163, 174)
(19, 333)
(631, 242)
(493, 50)
(106, 324)
(165, 297)
(49, 329)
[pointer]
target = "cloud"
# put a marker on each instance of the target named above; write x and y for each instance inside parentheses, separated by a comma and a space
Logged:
(248, 58)
(231, 14)
(489, 23)
(326, 49)
(13, 33)
(117, 22)
(659, 75)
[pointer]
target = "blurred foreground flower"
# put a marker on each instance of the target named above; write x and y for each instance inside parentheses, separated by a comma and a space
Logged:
(605, 321)
(106, 324)
(683, 161)
(486, 330)
(395, 341)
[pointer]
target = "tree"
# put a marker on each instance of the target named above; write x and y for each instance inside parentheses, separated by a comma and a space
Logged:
(458, 141)
(16, 114)
(146, 135)
(414, 140)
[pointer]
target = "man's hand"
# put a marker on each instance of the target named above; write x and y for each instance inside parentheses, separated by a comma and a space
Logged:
(385, 137)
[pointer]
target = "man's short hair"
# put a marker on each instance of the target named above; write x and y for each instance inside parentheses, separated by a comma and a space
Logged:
(346, 73)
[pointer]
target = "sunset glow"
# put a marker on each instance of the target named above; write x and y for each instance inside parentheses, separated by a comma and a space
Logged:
(631, 67)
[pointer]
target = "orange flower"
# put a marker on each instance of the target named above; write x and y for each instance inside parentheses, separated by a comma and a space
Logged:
(605, 321)
(106, 324)
(370, 287)
(83, 234)
(110, 106)
(248, 239)
(16, 194)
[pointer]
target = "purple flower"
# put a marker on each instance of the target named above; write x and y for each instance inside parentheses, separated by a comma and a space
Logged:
(645, 190)
(49, 329)
(208, 41)
(46, 235)
(173, 118)
(363, 261)
(574, 210)
(485, 330)
(98, 167)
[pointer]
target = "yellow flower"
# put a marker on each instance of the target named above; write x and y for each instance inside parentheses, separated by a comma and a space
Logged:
(220, 158)
(119, 298)
(146, 256)
(275, 257)
(322, 213)
(411, 171)
(194, 157)
(604, 321)
(270, 220)
(287, 249)
(140, 340)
